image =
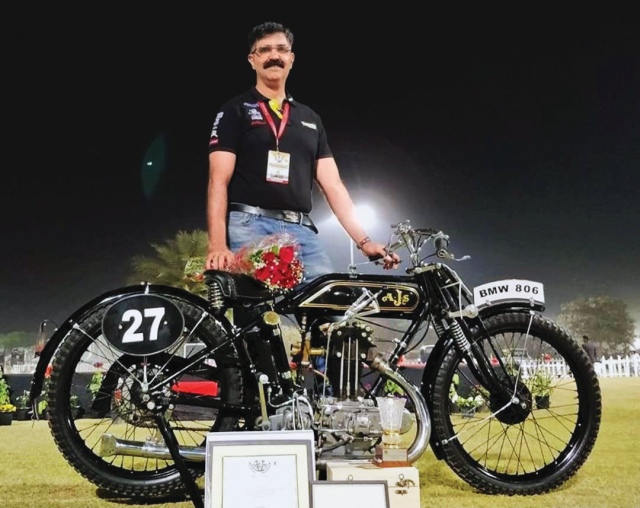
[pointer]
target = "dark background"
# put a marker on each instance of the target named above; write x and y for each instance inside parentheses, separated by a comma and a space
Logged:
(517, 132)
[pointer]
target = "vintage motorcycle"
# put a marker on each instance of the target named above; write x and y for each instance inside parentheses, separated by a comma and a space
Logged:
(174, 367)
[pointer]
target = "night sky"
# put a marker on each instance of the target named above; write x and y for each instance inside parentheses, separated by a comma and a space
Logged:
(515, 132)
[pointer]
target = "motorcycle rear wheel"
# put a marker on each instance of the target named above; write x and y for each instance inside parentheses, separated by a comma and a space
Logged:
(515, 445)
(119, 408)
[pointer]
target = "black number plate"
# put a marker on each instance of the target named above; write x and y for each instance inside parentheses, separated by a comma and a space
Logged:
(142, 325)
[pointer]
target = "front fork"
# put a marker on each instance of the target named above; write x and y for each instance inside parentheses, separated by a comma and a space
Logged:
(475, 357)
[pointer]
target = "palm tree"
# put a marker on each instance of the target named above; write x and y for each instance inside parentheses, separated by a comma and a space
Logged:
(178, 262)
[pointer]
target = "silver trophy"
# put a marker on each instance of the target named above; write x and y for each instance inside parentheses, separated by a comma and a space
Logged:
(391, 452)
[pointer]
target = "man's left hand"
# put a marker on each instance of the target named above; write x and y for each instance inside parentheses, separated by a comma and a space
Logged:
(379, 251)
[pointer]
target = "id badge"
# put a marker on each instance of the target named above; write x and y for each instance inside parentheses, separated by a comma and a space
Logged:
(278, 167)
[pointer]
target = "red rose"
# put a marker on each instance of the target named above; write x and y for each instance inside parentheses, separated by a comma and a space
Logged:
(262, 274)
(287, 254)
(269, 257)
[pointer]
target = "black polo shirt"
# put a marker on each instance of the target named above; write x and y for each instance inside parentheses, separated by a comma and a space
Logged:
(241, 128)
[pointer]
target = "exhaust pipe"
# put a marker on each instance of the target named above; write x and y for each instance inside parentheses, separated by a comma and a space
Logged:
(110, 445)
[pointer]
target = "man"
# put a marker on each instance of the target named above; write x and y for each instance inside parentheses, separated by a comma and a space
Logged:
(265, 152)
(592, 352)
(590, 348)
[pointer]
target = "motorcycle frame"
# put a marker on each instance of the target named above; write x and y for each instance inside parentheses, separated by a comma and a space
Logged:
(441, 286)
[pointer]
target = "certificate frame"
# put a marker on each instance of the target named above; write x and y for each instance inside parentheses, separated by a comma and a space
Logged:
(369, 493)
(256, 468)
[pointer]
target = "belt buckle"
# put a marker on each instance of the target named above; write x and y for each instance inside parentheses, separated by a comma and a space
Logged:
(291, 216)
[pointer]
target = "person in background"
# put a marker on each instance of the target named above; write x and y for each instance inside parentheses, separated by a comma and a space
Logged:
(590, 348)
(635, 362)
(592, 352)
(266, 150)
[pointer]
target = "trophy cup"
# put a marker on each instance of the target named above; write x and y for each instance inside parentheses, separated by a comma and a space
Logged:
(390, 453)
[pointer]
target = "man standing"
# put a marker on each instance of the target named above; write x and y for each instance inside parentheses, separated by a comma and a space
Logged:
(592, 352)
(590, 348)
(266, 151)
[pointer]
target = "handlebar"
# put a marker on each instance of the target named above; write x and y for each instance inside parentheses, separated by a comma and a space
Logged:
(405, 236)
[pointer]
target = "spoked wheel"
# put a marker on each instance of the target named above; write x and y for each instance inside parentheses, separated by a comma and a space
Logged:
(534, 435)
(114, 441)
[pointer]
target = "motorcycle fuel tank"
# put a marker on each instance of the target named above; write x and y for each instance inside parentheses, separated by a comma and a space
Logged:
(336, 293)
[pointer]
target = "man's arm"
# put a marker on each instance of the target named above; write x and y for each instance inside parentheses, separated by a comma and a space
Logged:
(337, 196)
(221, 166)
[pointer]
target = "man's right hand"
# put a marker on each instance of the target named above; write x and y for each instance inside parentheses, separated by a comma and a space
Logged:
(219, 259)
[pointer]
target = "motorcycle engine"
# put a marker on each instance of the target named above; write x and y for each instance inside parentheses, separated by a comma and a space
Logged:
(359, 418)
(332, 399)
(348, 423)
(344, 348)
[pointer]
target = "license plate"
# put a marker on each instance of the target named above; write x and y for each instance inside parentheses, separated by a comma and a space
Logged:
(508, 290)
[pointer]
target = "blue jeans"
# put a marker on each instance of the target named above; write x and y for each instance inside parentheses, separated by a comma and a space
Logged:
(247, 227)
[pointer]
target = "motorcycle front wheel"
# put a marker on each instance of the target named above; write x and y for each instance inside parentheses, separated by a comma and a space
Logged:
(114, 440)
(532, 437)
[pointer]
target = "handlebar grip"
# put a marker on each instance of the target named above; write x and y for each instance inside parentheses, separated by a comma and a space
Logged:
(441, 243)
(376, 260)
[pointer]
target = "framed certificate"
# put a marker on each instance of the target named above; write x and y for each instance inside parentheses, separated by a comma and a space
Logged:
(330, 494)
(259, 469)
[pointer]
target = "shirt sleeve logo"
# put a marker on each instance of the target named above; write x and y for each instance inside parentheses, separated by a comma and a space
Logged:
(214, 130)
(309, 125)
(213, 139)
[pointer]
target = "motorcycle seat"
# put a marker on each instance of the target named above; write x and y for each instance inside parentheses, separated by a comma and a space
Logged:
(237, 287)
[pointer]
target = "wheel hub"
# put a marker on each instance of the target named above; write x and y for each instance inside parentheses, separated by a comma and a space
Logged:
(517, 407)
(131, 401)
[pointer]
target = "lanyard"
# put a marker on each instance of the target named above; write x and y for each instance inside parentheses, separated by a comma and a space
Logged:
(283, 123)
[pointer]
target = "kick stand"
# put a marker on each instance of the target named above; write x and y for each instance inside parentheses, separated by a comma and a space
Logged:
(172, 444)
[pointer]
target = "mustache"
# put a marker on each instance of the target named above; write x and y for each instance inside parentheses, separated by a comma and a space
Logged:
(274, 63)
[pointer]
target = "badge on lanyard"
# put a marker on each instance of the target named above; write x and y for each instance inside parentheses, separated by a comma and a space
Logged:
(278, 162)
(278, 167)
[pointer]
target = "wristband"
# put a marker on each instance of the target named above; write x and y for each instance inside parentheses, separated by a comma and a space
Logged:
(363, 242)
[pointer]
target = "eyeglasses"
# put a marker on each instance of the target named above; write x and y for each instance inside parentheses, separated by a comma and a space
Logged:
(282, 49)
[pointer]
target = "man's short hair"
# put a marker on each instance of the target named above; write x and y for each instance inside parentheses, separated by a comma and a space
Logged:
(267, 28)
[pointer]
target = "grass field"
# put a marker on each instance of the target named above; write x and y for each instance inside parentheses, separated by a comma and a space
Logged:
(34, 474)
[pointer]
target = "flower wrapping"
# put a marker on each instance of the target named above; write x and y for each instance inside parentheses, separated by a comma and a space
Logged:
(273, 260)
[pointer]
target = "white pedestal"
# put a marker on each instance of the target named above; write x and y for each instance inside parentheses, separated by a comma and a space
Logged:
(403, 482)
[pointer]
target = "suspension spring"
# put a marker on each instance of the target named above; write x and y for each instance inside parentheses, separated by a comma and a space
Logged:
(459, 338)
(214, 295)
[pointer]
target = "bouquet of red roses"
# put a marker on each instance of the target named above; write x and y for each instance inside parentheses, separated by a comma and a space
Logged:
(274, 261)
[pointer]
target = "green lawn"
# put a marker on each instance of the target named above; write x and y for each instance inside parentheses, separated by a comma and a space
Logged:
(34, 474)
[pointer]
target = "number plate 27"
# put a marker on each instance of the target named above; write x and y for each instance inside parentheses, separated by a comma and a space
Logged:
(142, 325)
(508, 290)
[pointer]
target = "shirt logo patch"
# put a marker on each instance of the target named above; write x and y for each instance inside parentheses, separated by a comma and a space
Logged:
(255, 115)
(309, 125)
(252, 109)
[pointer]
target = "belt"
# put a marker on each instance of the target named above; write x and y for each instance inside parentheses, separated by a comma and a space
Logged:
(286, 215)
